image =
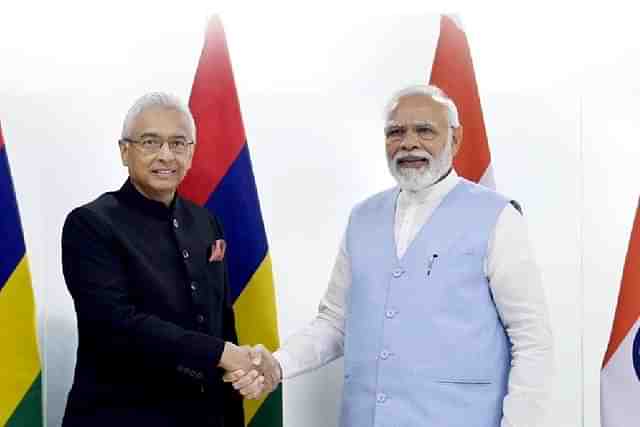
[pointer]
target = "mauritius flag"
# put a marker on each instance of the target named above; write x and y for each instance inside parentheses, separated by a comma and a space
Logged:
(20, 380)
(221, 179)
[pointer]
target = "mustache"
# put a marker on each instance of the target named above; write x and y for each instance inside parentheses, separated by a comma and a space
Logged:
(413, 155)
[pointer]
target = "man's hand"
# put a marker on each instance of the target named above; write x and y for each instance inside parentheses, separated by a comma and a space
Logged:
(268, 367)
(247, 361)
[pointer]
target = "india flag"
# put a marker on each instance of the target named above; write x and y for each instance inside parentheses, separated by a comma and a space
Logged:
(452, 71)
(620, 376)
(221, 179)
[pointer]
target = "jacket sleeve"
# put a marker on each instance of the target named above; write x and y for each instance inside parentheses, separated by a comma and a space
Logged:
(96, 277)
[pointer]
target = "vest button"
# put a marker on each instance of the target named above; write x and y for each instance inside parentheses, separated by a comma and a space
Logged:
(397, 272)
(384, 354)
(175, 223)
(185, 254)
(194, 286)
(390, 314)
(381, 397)
(200, 318)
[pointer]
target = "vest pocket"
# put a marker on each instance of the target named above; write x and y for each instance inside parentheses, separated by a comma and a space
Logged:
(464, 381)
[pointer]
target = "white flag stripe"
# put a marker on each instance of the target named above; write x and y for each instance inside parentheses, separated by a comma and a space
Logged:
(487, 178)
(620, 386)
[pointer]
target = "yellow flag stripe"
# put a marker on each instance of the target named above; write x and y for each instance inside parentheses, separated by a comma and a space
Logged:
(256, 319)
(19, 358)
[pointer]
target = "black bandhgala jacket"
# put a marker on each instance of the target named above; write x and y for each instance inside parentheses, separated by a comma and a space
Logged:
(153, 314)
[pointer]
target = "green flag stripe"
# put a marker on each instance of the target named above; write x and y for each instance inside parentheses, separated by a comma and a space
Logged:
(270, 412)
(29, 411)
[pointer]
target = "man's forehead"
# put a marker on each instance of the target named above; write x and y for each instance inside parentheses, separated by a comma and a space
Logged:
(161, 121)
(419, 108)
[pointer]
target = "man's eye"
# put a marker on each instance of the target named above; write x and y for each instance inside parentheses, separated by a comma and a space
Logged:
(149, 142)
(426, 130)
(395, 132)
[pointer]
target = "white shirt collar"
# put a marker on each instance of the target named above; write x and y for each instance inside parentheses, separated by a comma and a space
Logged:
(429, 194)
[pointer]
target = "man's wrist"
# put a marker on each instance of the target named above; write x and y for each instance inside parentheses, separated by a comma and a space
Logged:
(227, 355)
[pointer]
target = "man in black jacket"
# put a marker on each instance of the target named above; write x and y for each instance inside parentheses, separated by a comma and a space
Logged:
(148, 278)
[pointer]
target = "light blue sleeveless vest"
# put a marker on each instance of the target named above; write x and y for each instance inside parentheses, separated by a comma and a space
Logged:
(424, 345)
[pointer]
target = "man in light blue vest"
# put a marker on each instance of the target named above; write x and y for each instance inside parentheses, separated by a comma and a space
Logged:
(435, 300)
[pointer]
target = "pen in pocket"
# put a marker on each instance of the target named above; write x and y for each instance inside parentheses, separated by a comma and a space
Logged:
(431, 262)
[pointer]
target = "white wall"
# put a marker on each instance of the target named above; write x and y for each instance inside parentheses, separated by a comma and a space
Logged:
(312, 86)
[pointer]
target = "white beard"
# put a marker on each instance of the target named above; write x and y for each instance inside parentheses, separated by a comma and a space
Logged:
(412, 179)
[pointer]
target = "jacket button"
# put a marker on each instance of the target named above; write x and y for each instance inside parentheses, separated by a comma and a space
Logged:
(390, 314)
(194, 286)
(381, 397)
(384, 354)
(175, 223)
(398, 272)
(185, 254)
(200, 318)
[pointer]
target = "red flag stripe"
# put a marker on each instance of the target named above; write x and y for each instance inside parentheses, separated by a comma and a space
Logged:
(452, 71)
(1, 138)
(213, 83)
(628, 308)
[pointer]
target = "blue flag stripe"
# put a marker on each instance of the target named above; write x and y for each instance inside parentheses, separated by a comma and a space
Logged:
(12, 247)
(235, 202)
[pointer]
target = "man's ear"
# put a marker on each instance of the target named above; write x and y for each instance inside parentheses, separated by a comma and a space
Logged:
(124, 153)
(456, 140)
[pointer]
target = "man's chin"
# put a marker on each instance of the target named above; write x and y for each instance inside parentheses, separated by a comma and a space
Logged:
(410, 171)
(415, 181)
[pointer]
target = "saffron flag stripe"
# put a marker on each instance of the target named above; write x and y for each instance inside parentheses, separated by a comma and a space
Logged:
(453, 72)
(235, 202)
(12, 247)
(21, 364)
(628, 306)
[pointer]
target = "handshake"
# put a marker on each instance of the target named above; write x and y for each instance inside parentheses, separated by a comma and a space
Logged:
(253, 371)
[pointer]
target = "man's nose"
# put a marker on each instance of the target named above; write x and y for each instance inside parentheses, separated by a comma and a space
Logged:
(165, 152)
(410, 140)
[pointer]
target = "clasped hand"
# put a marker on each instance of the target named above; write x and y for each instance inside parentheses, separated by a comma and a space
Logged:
(253, 371)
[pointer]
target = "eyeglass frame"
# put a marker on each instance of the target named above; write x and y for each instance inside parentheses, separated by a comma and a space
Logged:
(412, 125)
(164, 141)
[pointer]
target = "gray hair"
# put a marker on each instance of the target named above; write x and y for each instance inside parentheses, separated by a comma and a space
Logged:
(432, 92)
(156, 99)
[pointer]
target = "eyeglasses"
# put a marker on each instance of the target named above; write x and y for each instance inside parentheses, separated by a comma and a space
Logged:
(397, 132)
(153, 144)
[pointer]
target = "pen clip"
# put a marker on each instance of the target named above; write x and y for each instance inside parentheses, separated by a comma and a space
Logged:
(431, 262)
